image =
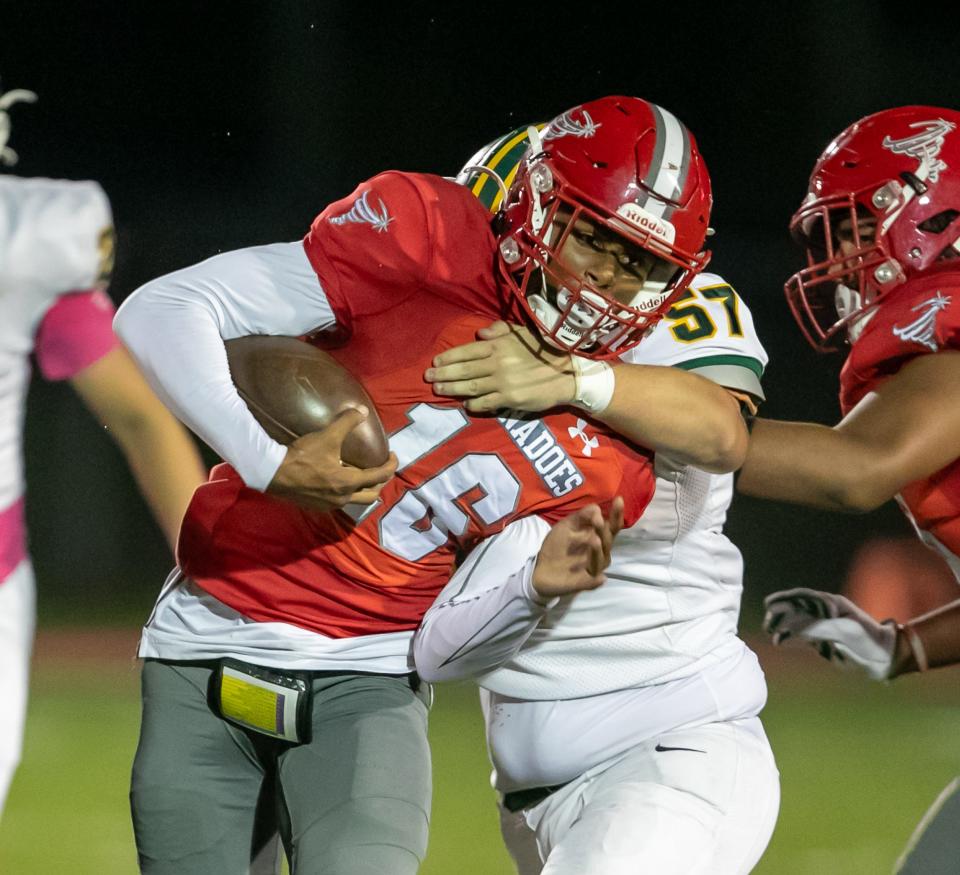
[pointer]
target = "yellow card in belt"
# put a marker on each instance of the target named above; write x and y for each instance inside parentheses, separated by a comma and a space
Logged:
(259, 704)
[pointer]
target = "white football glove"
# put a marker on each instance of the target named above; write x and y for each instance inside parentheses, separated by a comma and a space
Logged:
(840, 631)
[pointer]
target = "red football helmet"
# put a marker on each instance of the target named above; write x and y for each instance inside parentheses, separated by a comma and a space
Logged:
(631, 169)
(883, 206)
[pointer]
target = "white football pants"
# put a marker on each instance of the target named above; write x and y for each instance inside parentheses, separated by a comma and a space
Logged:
(17, 619)
(700, 801)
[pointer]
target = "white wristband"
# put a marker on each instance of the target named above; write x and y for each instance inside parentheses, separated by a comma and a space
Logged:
(594, 382)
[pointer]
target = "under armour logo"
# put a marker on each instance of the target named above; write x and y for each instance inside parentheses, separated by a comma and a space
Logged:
(924, 327)
(589, 443)
(362, 212)
(925, 146)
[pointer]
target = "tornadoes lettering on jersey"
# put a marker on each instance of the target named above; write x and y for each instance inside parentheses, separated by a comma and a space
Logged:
(551, 462)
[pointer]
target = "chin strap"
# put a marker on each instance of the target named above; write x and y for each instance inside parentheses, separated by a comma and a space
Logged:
(486, 171)
(540, 180)
(536, 142)
(888, 195)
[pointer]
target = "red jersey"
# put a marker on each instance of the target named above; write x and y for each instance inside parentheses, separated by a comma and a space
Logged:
(920, 318)
(407, 264)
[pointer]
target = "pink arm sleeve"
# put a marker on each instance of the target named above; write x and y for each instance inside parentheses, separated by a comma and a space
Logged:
(75, 332)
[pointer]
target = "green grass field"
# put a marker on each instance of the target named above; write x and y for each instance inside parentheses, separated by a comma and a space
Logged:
(860, 762)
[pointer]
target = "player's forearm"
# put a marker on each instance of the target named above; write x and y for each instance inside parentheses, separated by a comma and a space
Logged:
(489, 608)
(177, 344)
(166, 465)
(815, 465)
(175, 327)
(466, 635)
(682, 415)
(935, 641)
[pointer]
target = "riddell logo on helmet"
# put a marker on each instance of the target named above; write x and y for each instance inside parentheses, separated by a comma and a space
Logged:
(925, 146)
(648, 222)
(648, 302)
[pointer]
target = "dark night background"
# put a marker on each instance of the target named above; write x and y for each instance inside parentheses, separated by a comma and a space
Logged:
(219, 125)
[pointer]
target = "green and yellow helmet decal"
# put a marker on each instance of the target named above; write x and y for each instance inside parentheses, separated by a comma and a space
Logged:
(502, 156)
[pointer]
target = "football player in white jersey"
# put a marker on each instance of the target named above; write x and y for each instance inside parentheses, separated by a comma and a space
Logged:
(621, 720)
(56, 253)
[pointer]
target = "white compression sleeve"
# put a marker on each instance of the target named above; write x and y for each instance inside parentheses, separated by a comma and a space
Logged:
(489, 608)
(175, 326)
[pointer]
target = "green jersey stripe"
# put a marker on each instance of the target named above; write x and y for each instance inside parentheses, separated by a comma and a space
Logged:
(743, 361)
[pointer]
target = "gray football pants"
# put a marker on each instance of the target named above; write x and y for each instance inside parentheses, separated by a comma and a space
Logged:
(355, 801)
(934, 847)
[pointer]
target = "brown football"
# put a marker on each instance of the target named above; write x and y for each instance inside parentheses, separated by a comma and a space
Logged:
(293, 388)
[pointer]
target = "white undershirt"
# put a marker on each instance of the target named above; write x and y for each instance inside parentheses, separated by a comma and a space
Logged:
(188, 624)
(175, 326)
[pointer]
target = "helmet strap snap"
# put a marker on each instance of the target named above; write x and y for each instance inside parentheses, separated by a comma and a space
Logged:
(510, 250)
(886, 272)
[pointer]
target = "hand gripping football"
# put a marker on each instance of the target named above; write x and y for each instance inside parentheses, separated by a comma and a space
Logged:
(293, 388)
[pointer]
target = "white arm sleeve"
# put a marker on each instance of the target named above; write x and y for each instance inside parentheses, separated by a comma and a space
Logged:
(487, 610)
(175, 326)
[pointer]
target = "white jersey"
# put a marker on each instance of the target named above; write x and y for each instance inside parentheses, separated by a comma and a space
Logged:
(674, 582)
(49, 236)
(54, 239)
(655, 648)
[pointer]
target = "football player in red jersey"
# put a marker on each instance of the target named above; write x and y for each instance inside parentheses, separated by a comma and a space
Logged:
(297, 622)
(881, 227)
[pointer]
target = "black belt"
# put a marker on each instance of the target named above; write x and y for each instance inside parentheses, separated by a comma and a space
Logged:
(517, 799)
